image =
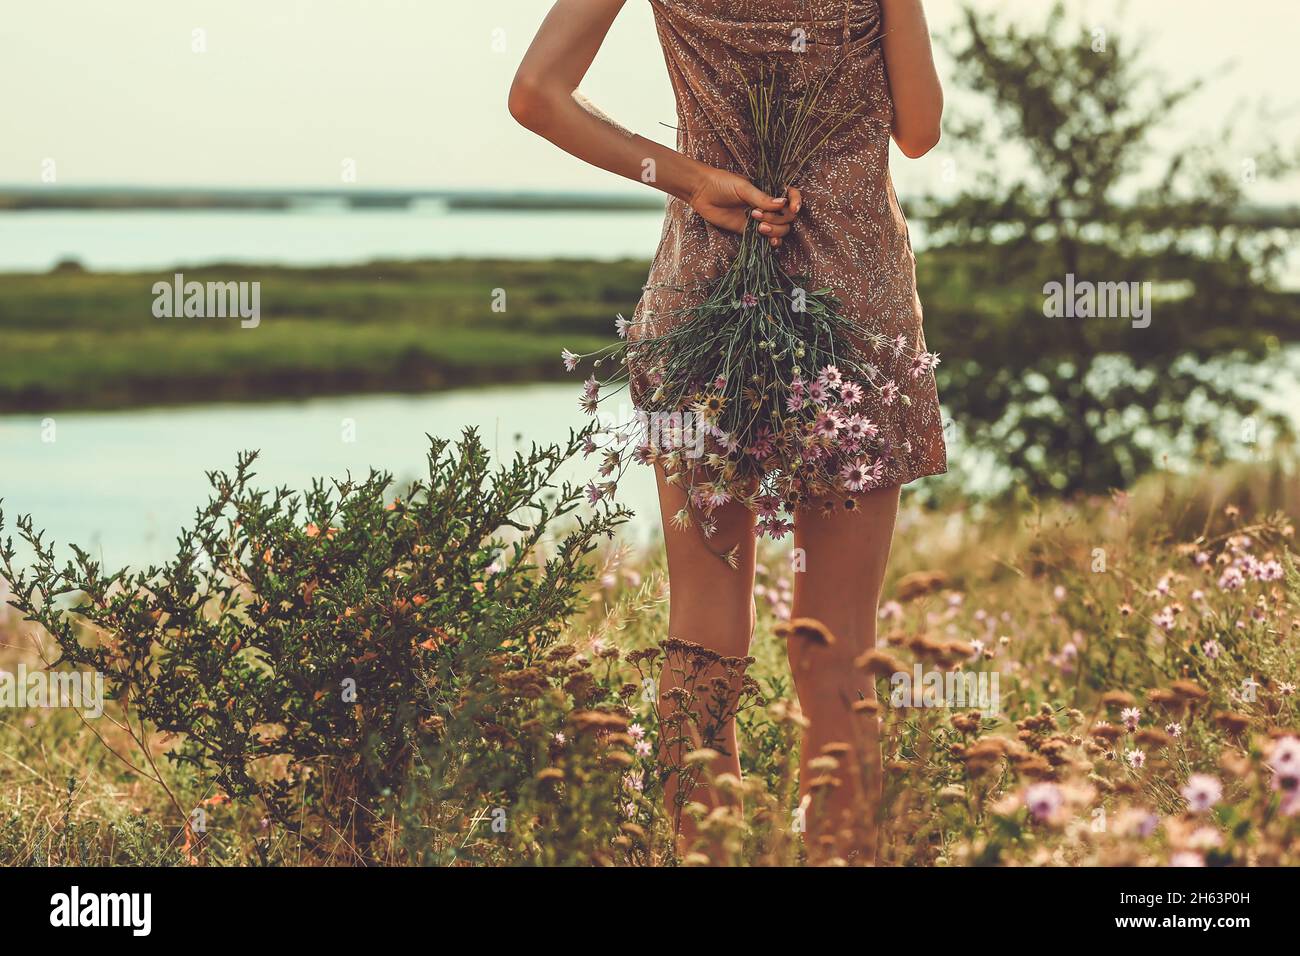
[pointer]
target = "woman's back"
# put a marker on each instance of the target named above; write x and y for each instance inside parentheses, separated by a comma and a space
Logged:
(852, 235)
(713, 48)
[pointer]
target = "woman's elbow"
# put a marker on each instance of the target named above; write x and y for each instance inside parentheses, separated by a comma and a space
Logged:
(527, 101)
(914, 145)
(918, 131)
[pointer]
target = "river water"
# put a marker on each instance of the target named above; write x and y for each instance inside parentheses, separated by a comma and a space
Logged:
(122, 483)
(324, 235)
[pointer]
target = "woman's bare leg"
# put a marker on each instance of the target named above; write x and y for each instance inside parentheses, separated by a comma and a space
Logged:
(844, 559)
(710, 604)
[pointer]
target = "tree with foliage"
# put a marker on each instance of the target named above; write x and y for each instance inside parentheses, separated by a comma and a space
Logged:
(1084, 404)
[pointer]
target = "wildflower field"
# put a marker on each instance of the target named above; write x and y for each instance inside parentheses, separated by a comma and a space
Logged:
(1144, 646)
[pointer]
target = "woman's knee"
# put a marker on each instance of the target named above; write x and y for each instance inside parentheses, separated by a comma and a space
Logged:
(817, 659)
(714, 611)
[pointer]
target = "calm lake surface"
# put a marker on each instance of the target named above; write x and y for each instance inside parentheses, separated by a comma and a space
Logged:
(122, 484)
(329, 235)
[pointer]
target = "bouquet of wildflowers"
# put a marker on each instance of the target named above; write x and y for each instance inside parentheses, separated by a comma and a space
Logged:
(756, 394)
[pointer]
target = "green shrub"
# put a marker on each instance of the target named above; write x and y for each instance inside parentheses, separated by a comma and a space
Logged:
(314, 652)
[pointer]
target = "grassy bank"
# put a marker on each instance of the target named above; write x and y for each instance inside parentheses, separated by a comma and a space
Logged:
(75, 339)
(81, 340)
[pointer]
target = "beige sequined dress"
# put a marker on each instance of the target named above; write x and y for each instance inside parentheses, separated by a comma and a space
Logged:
(851, 235)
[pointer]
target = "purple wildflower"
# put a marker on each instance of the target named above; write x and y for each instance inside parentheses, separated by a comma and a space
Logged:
(1202, 792)
(1043, 800)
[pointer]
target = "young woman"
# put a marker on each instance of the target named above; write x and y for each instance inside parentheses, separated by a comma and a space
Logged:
(841, 225)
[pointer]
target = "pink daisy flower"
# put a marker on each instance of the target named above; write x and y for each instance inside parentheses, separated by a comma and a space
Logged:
(923, 363)
(763, 444)
(717, 498)
(1202, 792)
(1232, 579)
(827, 425)
(1285, 755)
(1269, 571)
(1043, 800)
(776, 528)
(850, 394)
(830, 376)
(855, 476)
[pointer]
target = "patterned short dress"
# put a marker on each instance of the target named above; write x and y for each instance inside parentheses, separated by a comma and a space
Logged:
(851, 235)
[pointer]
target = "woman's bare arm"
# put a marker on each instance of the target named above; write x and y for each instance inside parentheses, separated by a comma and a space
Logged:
(544, 99)
(913, 80)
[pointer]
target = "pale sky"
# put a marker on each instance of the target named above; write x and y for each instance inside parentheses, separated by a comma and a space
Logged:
(414, 92)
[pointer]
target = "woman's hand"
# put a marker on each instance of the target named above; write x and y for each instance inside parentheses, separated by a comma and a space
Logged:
(729, 201)
(542, 99)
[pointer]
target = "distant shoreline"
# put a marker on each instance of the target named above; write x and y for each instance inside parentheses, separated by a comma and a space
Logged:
(16, 199)
(188, 200)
